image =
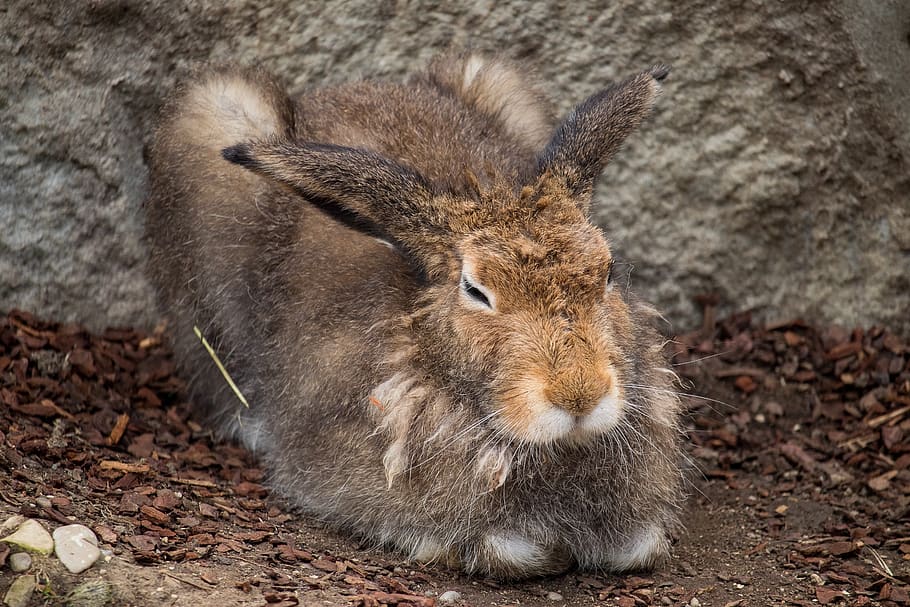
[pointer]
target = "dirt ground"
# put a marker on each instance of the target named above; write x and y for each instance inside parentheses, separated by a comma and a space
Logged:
(800, 482)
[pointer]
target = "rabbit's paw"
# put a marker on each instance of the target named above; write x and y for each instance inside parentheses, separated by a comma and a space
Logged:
(642, 550)
(510, 554)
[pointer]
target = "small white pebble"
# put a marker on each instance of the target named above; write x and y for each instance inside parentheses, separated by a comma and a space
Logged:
(554, 596)
(694, 602)
(76, 546)
(449, 596)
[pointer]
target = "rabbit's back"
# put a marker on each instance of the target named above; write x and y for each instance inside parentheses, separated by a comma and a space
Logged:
(464, 114)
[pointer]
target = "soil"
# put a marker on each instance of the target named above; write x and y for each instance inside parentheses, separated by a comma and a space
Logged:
(799, 439)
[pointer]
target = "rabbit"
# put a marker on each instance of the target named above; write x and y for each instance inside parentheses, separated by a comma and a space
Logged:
(405, 285)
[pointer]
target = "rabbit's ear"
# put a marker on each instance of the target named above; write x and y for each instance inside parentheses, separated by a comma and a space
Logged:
(369, 191)
(595, 130)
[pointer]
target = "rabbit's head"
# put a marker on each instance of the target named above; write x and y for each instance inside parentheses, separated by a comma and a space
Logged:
(519, 308)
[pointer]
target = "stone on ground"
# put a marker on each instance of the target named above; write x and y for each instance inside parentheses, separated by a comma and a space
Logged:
(31, 537)
(20, 562)
(20, 591)
(76, 547)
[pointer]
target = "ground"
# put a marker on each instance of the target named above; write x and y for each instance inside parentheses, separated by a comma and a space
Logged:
(799, 484)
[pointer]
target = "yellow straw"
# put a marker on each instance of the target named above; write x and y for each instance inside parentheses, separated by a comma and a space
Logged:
(220, 366)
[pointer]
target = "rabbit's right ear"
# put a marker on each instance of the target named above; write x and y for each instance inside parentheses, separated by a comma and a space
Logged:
(393, 201)
(594, 131)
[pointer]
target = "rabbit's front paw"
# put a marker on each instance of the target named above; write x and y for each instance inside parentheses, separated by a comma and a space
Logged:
(511, 554)
(642, 550)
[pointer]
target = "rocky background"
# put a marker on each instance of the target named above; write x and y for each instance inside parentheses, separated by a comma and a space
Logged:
(775, 175)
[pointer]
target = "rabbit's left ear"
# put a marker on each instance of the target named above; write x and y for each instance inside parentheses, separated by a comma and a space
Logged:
(370, 192)
(378, 191)
(589, 137)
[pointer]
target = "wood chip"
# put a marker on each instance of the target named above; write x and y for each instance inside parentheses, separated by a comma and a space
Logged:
(194, 482)
(826, 595)
(119, 428)
(123, 467)
(154, 514)
(882, 482)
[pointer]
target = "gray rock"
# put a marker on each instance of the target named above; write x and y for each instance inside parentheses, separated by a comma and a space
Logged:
(774, 172)
(20, 562)
(31, 537)
(76, 546)
(20, 591)
(450, 596)
(554, 596)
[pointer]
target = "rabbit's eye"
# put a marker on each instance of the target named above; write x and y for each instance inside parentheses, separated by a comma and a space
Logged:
(474, 293)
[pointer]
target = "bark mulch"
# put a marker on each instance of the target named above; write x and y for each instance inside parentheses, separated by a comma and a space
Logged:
(799, 437)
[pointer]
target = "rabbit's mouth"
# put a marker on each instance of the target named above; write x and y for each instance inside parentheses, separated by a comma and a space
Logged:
(538, 420)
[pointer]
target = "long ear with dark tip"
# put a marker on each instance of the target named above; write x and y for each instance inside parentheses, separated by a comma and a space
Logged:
(371, 187)
(366, 191)
(595, 130)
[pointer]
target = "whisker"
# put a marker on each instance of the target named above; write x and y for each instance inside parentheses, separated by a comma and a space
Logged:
(681, 394)
(698, 360)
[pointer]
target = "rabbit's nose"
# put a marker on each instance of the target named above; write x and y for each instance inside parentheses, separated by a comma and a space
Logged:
(578, 395)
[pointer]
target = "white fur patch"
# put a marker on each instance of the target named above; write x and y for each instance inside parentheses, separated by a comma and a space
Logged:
(395, 460)
(225, 109)
(392, 398)
(514, 550)
(396, 401)
(427, 550)
(550, 423)
(446, 425)
(493, 466)
(641, 551)
(471, 68)
(252, 433)
(499, 90)
(603, 417)
(242, 108)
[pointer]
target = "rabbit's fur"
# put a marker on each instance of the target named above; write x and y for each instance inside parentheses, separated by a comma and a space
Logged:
(403, 281)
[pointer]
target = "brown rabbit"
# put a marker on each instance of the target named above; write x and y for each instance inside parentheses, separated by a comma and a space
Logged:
(404, 283)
